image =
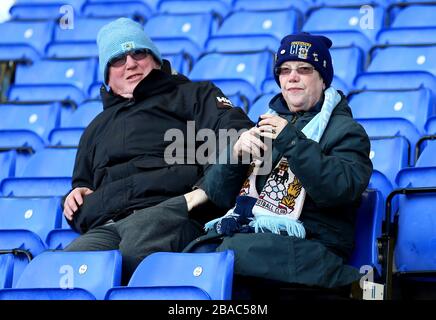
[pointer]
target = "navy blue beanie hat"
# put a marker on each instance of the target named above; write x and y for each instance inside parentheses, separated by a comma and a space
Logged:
(308, 48)
(121, 36)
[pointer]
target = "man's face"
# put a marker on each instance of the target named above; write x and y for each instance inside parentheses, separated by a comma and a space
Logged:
(124, 77)
(302, 86)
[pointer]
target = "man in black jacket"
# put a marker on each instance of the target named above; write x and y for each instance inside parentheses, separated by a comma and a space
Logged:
(125, 193)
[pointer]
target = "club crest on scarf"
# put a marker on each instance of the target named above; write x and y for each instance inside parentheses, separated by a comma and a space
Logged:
(283, 193)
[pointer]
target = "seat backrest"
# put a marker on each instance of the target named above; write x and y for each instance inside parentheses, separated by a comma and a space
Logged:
(430, 126)
(7, 164)
(368, 228)
(426, 14)
(421, 58)
(36, 34)
(82, 116)
(50, 163)
(39, 215)
(347, 63)
(94, 271)
(44, 9)
(77, 73)
(273, 23)
(211, 272)
(251, 68)
(6, 270)
(415, 106)
(346, 19)
(38, 118)
(427, 158)
(220, 7)
(271, 5)
(195, 28)
(260, 106)
(135, 9)
(424, 35)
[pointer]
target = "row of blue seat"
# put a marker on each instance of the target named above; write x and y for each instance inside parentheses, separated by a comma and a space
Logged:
(143, 9)
(97, 275)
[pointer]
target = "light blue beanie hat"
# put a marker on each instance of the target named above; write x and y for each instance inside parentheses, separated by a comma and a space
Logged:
(119, 36)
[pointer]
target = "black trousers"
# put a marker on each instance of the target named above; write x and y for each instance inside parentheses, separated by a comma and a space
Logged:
(164, 227)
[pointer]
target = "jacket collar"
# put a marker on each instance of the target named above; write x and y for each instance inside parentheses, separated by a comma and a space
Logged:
(155, 83)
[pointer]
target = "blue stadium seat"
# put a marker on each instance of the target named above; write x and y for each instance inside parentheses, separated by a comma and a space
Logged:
(400, 58)
(38, 119)
(53, 80)
(261, 30)
(47, 173)
(426, 14)
(388, 155)
(347, 38)
(415, 106)
(67, 275)
(134, 9)
(79, 42)
(45, 9)
(391, 36)
(347, 64)
(302, 5)
(59, 238)
(174, 33)
(270, 86)
(395, 80)
(354, 19)
(368, 228)
(73, 122)
(25, 41)
(151, 4)
(234, 73)
(260, 106)
(180, 62)
(430, 126)
(39, 215)
(6, 270)
(24, 226)
(7, 164)
(340, 84)
(216, 7)
(211, 273)
(383, 3)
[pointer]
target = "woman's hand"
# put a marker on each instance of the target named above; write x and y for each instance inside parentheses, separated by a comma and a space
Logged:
(195, 198)
(249, 143)
(270, 126)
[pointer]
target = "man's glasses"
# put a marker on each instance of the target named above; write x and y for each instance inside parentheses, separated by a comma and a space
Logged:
(284, 71)
(121, 60)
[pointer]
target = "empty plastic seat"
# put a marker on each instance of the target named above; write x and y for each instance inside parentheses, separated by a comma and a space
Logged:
(53, 80)
(261, 30)
(38, 119)
(407, 36)
(77, 42)
(211, 273)
(270, 86)
(347, 38)
(364, 21)
(73, 122)
(430, 126)
(7, 164)
(302, 6)
(368, 228)
(26, 40)
(47, 173)
(67, 275)
(59, 238)
(234, 73)
(383, 3)
(134, 9)
(259, 107)
(347, 64)
(46, 9)
(176, 33)
(39, 215)
(388, 155)
(415, 106)
(180, 62)
(6, 270)
(218, 7)
(426, 14)
(395, 80)
(422, 58)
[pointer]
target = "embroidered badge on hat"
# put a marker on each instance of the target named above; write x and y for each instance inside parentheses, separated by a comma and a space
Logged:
(300, 49)
(127, 46)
